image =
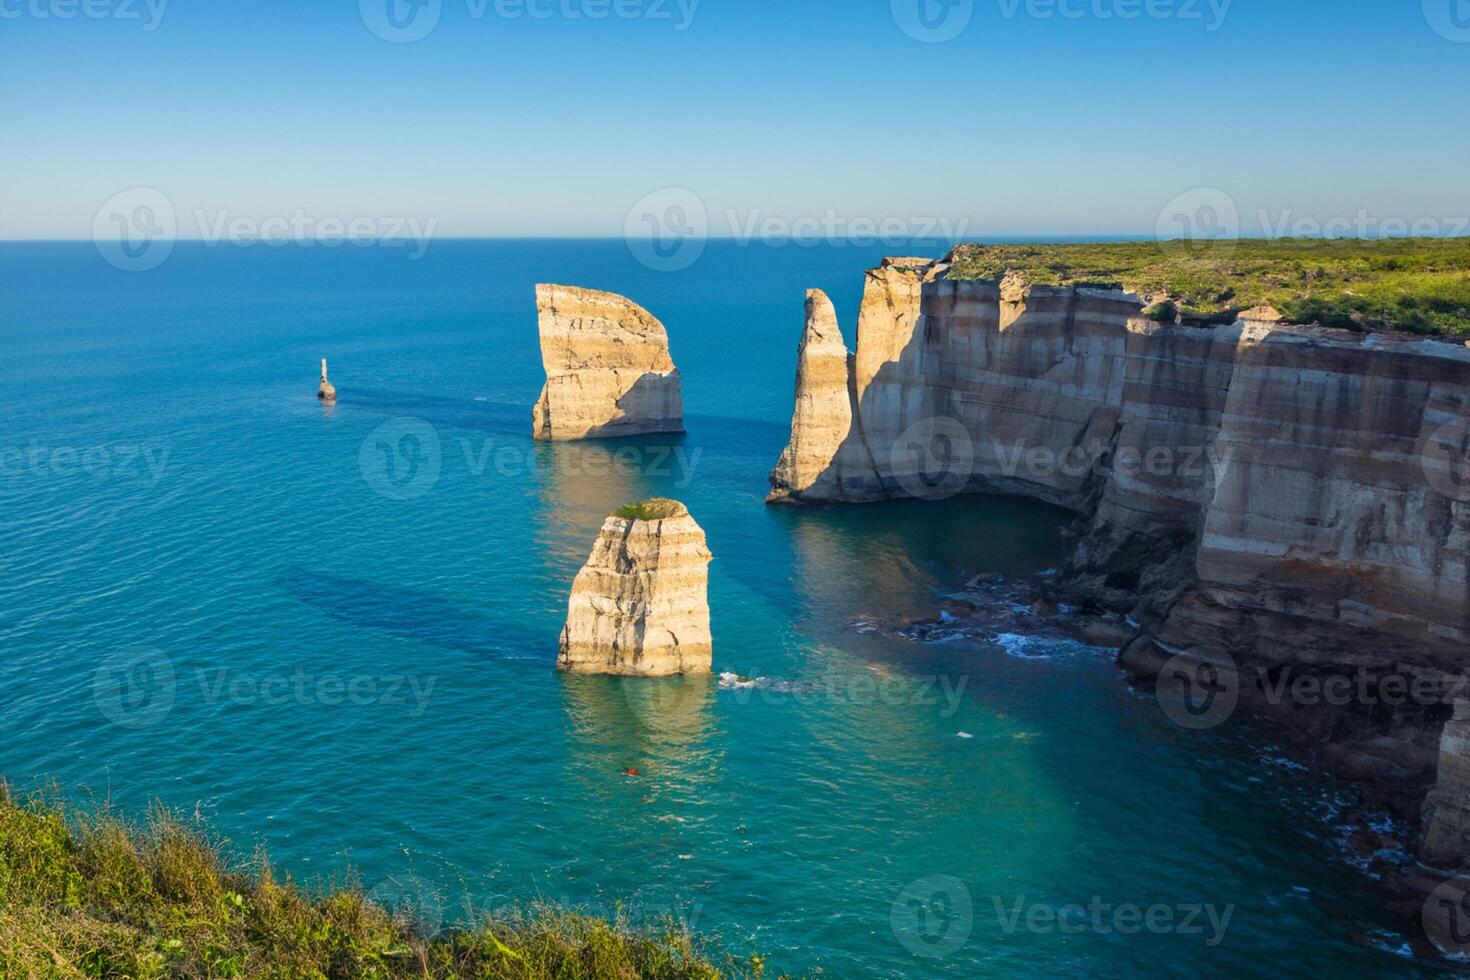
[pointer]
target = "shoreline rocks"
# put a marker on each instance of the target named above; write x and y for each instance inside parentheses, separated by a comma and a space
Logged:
(608, 369)
(640, 606)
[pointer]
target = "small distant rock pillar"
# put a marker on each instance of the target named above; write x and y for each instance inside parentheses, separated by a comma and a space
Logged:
(325, 391)
(640, 606)
(1446, 842)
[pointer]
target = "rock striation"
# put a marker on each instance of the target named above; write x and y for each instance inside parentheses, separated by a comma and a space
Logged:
(1289, 499)
(608, 369)
(640, 605)
(325, 391)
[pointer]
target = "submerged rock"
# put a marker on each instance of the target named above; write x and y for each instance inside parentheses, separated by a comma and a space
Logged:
(608, 369)
(640, 605)
(325, 391)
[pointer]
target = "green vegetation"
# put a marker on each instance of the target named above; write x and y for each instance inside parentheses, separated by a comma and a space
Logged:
(1417, 285)
(89, 895)
(655, 509)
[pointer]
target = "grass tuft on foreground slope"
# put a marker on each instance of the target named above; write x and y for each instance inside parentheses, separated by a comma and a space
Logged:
(90, 895)
(1414, 285)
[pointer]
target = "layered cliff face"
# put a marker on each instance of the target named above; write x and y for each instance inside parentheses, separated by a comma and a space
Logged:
(1284, 501)
(640, 605)
(608, 369)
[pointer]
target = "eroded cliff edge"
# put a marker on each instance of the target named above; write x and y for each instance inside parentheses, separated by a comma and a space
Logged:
(608, 368)
(1276, 502)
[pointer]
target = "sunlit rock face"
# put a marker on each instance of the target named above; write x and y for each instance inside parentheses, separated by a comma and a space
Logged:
(822, 419)
(640, 605)
(608, 369)
(1279, 497)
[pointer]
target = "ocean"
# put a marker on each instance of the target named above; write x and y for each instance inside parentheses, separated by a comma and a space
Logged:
(331, 631)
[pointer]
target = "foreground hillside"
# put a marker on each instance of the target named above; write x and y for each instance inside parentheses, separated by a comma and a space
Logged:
(1416, 285)
(92, 896)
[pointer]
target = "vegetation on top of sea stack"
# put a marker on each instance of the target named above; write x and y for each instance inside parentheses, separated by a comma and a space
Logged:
(1416, 285)
(654, 509)
(90, 895)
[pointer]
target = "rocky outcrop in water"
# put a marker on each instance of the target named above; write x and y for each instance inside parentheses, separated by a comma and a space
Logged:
(1291, 502)
(823, 416)
(608, 369)
(640, 605)
(324, 390)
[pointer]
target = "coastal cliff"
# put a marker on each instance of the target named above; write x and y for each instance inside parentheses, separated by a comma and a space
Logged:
(1276, 501)
(640, 605)
(608, 369)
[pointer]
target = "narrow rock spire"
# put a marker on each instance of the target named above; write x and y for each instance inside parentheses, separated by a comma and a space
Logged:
(325, 391)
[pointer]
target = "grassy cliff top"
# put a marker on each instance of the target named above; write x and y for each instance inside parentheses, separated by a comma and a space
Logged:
(1417, 285)
(655, 509)
(89, 895)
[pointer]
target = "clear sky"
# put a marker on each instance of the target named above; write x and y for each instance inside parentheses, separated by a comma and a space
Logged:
(1039, 117)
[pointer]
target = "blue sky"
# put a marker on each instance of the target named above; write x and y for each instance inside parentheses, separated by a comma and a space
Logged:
(1028, 122)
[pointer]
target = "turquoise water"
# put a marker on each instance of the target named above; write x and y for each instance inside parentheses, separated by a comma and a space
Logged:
(338, 641)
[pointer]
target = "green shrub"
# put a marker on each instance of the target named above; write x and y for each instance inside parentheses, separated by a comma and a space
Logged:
(1415, 285)
(90, 895)
(655, 509)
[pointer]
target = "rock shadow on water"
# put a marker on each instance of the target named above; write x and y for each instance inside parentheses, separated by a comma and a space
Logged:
(497, 418)
(410, 614)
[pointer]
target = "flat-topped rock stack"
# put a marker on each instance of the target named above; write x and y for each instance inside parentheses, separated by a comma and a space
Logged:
(608, 369)
(640, 606)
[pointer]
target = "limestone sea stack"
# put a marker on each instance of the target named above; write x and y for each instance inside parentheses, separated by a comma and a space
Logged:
(824, 410)
(325, 391)
(640, 606)
(608, 369)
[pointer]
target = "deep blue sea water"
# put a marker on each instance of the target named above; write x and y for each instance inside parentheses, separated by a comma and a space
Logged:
(333, 631)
